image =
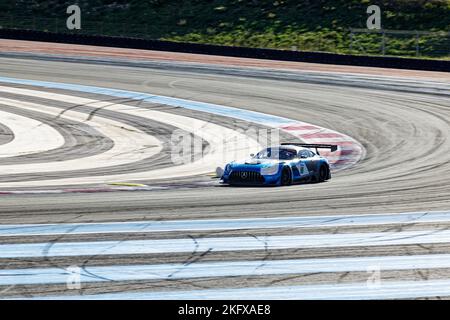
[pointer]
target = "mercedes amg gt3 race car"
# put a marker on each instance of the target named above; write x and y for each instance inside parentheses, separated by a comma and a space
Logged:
(283, 165)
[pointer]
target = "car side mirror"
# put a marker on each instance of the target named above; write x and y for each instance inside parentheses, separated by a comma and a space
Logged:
(252, 154)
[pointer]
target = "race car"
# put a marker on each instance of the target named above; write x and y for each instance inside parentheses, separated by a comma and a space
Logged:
(282, 165)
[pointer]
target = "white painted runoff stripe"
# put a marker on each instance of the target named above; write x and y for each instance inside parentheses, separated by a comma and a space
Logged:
(224, 224)
(130, 143)
(225, 144)
(34, 276)
(30, 136)
(219, 244)
(347, 291)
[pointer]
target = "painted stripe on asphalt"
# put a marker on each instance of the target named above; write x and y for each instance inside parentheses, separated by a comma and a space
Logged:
(34, 276)
(348, 291)
(220, 244)
(224, 224)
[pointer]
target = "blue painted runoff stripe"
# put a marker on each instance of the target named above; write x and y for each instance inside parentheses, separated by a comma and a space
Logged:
(37, 276)
(224, 224)
(246, 115)
(347, 291)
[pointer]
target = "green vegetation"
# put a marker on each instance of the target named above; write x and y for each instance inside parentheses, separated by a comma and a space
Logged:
(313, 25)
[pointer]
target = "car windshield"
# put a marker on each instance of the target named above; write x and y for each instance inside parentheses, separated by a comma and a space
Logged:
(275, 153)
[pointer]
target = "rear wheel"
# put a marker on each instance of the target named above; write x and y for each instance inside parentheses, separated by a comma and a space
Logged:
(323, 173)
(286, 179)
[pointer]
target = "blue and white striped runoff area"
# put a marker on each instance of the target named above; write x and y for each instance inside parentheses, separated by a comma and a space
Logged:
(426, 229)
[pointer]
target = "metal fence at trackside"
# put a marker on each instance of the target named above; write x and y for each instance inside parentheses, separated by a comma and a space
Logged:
(400, 43)
(351, 41)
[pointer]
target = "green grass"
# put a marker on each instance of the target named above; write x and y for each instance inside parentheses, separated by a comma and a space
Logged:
(312, 25)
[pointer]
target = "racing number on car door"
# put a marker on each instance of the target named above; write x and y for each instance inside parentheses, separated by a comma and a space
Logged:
(305, 165)
(302, 168)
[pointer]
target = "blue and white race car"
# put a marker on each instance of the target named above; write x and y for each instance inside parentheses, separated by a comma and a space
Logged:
(283, 165)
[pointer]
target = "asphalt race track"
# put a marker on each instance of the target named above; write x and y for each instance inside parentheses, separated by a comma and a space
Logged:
(87, 182)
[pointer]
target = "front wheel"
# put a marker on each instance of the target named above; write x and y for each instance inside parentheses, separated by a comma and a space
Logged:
(286, 179)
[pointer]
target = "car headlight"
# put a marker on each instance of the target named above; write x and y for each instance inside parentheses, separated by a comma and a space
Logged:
(269, 171)
(227, 168)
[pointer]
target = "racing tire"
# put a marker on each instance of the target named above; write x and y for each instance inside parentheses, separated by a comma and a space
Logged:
(286, 177)
(323, 173)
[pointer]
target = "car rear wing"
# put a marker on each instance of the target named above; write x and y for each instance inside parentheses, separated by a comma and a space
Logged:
(332, 147)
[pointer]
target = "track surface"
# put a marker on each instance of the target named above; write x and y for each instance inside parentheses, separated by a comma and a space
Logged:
(405, 169)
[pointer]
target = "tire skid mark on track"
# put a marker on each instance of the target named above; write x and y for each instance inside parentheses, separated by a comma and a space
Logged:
(6, 135)
(150, 127)
(250, 116)
(48, 276)
(80, 139)
(219, 244)
(225, 224)
(25, 130)
(352, 291)
(208, 131)
(197, 269)
(130, 144)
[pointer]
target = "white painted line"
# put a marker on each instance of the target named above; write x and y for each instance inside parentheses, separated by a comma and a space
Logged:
(30, 136)
(34, 276)
(225, 144)
(220, 244)
(350, 291)
(130, 144)
(224, 224)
